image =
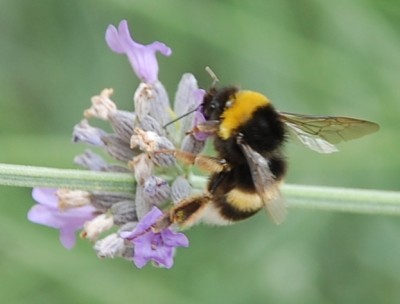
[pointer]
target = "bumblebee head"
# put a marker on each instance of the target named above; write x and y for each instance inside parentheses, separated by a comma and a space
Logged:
(233, 108)
(216, 101)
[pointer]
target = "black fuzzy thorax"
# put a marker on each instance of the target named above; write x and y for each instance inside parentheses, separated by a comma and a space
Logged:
(264, 133)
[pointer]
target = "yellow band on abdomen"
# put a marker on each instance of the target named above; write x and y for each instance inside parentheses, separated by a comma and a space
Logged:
(244, 201)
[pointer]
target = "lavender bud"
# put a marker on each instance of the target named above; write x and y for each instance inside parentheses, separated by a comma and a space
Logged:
(123, 212)
(156, 190)
(122, 124)
(90, 160)
(164, 159)
(102, 105)
(142, 167)
(142, 206)
(148, 123)
(95, 162)
(128, 251)
(192, 145)
(109, 247)
(186, 100)
(83, 132)
(159, 107)
(104, 200)
(142, 100)
(180, 189)
(118, 148)
(68, 199)
(92, 229)
(151, 142)
(127, 227)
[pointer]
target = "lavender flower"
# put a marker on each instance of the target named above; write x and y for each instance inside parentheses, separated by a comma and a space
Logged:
(142, 57)
(158, 247)
(135, 141)
(47, 213)
(188, 98)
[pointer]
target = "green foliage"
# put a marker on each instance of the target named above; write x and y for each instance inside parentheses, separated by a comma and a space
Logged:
(312, 56)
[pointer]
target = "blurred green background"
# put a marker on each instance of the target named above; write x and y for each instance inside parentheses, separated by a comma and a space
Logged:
(315, 57)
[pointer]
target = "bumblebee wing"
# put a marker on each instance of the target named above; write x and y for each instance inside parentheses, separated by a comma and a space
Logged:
(320, 133)
(266, 185)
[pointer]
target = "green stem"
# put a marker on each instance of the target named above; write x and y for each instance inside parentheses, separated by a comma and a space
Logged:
(298, 196)
(29, 176)
(343, 199)
(336, 199)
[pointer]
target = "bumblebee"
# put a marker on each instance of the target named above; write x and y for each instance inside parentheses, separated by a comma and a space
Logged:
(246, 174)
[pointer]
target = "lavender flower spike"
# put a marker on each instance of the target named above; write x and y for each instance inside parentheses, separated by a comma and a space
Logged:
(141, 57)
(47, 213)
(151, 246)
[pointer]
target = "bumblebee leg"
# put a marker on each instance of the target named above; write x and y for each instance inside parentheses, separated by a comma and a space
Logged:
(211, 164)
(184, 214)
(210, 127)
(207, 163)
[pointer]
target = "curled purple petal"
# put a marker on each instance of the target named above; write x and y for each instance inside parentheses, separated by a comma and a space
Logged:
(156, 190)
(198, 119)
(47, 213)
(142, 57)
(45, 196)
(174, 239)
(144, 224)
(158, 247)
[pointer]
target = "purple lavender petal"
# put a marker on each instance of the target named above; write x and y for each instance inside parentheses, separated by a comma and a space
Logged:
(113, 39)
(144, 224)
(143, 251)
(41, 214)
(174, 239)
(198, 96)
(142, 57)
(150, 246)
(198, 119)
(164, 257)
(140, 260)
(67, 238)
(47, 213)
(186, 97)
(45, 196)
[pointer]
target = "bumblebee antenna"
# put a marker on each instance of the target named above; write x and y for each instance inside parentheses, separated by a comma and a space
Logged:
(215, 81)
(180, 117)
(212, 75)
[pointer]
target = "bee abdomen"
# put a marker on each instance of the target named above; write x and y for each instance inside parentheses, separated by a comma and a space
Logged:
(237, 204)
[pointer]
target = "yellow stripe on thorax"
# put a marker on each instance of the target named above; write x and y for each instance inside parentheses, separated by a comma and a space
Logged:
(244, 104)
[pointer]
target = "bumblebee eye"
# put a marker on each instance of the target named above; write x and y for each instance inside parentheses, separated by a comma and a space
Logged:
(213, 106)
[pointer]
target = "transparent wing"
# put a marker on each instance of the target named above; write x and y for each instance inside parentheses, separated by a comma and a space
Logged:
(266, 185)
(320, 133)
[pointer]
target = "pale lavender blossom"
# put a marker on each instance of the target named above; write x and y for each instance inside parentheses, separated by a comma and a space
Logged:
(158, 247)
(197, 120)
(84, 132)
(47, 213)
(187, 99)
(136, 140)
(141, 57)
